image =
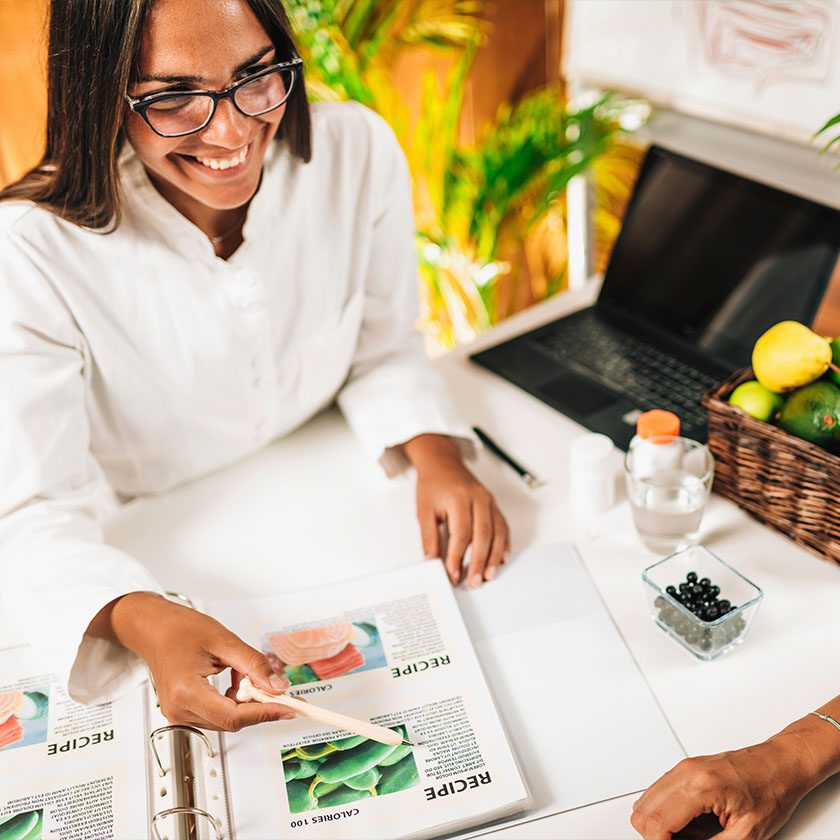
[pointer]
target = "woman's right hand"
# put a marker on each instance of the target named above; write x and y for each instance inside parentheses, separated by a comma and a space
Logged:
(182, 648)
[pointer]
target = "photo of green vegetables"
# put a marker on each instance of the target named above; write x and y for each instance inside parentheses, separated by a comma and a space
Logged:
(337, 772)
(26, 826)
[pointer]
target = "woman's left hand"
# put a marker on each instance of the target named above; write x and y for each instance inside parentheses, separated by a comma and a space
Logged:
(447, 492)
(752, 792)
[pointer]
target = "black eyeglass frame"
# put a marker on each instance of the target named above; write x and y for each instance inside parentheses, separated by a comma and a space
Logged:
(141, 104)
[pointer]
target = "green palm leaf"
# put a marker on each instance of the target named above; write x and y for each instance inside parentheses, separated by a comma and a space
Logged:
(376, 29)
(536, 142)
(834, 142)
(830, 123)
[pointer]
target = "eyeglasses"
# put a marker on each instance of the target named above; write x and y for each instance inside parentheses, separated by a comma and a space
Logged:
(177, 113)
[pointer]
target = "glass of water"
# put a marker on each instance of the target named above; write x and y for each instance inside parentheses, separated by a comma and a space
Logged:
(668, 484)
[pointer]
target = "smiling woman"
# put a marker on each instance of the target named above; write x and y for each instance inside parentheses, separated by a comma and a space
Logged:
(212, 166)
(199, 264)
(154, 47)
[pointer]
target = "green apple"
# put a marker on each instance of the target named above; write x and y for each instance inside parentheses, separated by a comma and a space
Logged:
(753, 398)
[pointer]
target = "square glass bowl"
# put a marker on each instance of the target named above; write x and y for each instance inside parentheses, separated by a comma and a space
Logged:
(707, 640)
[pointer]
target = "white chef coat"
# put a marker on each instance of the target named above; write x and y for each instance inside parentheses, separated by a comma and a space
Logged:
(136, 360)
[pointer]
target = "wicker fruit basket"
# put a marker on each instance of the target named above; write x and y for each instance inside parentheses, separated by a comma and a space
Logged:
(786, 483)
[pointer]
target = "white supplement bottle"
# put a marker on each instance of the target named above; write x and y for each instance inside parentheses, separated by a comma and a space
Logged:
(592, 474)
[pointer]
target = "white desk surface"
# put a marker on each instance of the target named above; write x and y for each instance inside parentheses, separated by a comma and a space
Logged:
(253, 528)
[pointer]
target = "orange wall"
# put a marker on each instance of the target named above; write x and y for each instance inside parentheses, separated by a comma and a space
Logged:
(23, 97)
(521, 53)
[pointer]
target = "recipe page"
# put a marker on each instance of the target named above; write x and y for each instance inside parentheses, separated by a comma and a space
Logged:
(392, 649)
(69, 772)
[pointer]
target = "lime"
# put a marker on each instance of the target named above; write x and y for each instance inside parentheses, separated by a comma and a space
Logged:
(753, 398)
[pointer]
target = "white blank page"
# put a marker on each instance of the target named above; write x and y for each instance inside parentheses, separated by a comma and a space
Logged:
(580, 716)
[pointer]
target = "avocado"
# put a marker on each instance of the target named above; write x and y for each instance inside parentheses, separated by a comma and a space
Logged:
(835, 361)
(813, 414)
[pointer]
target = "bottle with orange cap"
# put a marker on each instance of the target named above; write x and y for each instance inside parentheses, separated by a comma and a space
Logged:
(654, 445)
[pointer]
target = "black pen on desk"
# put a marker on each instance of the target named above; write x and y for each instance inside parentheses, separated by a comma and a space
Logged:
(528, 477)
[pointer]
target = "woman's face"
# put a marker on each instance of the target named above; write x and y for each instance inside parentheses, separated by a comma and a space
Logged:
(196, 45)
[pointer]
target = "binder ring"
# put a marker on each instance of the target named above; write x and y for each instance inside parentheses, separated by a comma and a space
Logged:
(179, 728)
(186, 809)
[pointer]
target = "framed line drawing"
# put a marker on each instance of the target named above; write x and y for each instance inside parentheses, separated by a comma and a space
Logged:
(766, 65)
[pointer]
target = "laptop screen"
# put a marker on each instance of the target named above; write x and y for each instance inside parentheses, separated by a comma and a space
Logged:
(715, 259)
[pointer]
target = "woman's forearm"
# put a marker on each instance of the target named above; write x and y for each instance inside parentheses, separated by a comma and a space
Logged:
(424, 451)
(816, 742)
(117, 621)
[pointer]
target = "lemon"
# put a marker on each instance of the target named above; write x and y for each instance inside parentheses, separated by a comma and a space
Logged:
(753, 398)
(789, 355)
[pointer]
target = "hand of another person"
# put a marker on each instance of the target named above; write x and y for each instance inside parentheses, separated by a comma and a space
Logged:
(447, 492)
(182, 648)
(752, 792)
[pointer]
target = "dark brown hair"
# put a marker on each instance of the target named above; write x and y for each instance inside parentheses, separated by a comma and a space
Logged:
(93, 47)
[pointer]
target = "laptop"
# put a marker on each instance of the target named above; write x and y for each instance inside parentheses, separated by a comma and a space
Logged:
(706, 261)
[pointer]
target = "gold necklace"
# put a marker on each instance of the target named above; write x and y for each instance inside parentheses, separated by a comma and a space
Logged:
(217, 240)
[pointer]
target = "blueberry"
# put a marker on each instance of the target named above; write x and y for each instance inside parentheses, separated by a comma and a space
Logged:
(714, 590)
(691, 577)
(724, 606)
(712, 613)
(705, 583)
(684, 587)
(696, 590)
(671, 590)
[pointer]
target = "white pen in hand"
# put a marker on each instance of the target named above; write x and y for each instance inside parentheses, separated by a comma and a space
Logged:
(248, 692)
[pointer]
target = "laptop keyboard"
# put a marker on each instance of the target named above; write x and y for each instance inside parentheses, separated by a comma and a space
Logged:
(643, 374)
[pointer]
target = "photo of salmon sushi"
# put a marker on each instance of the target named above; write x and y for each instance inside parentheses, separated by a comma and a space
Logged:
(324, 651)
(23, 718)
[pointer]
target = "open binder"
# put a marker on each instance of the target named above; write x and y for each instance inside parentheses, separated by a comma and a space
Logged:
(193, 787)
